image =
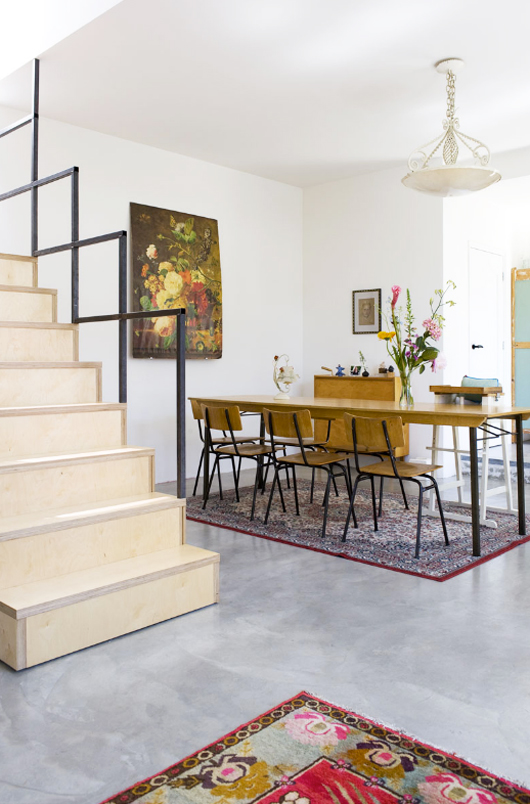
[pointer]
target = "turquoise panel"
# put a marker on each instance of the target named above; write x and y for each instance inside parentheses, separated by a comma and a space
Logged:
(522, 310)
(522, 377)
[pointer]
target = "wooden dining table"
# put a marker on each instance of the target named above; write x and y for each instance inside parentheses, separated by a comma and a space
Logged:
(471, 416)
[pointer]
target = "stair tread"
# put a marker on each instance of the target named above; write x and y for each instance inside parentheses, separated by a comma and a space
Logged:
(26, 289)
(40, 596)
(74, 407)
(46, 365)
(38, 325)
(54, 519)
(26, 463)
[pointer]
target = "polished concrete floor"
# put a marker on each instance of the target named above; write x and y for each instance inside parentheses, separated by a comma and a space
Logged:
(448, 662)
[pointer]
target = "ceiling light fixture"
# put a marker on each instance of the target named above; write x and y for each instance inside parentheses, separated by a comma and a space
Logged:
(447, 178)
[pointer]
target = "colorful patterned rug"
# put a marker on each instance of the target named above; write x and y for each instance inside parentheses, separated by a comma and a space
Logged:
(307, 751)
(391, 547)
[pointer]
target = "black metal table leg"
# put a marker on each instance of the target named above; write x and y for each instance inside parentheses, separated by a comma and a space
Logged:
(520, 474)
(206, 465)
(475, 505)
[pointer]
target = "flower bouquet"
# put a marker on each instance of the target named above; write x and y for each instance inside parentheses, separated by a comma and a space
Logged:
(283, 375)
(412, 350)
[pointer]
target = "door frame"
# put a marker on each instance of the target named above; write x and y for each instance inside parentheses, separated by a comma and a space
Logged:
(517, 274)
(489, 249)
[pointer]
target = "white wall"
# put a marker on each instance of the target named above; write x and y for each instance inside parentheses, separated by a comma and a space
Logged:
(366, 232)
(260, 232)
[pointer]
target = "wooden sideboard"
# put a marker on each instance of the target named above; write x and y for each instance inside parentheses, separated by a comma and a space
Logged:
(381, 387)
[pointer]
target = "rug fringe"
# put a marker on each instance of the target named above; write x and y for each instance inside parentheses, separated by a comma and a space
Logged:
(409, 736)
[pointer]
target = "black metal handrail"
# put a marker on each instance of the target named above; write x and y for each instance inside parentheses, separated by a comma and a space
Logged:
(74, 245)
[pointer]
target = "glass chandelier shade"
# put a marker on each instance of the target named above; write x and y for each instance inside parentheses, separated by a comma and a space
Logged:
(448, 179)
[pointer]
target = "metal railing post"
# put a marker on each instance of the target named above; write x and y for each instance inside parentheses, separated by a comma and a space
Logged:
(75, 250)
(181, 405)
(35, 160)
(122, 308)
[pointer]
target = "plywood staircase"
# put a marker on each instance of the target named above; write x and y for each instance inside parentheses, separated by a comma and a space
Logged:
(88, 550)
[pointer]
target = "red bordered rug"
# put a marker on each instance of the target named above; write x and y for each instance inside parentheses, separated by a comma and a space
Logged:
(391, 547)
(307, 751)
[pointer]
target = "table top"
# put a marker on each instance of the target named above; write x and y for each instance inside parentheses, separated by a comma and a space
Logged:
(422, 412)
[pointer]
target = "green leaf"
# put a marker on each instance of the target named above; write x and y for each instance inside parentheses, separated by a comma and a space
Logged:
(422, 368)
(192, 237)
(163, 272)
(173, 259)
(183, 264)
(145, 303)
(188, 226)
(169, 339)
(429, 354)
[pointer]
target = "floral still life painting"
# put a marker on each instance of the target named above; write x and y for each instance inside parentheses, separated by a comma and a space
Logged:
(176, 263)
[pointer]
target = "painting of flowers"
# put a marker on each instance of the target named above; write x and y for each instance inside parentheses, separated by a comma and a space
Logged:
(176, 263)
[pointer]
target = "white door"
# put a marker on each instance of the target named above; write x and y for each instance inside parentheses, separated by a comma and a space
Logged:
(485, 314)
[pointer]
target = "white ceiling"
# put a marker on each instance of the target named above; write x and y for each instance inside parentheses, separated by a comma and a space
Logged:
(302, 91)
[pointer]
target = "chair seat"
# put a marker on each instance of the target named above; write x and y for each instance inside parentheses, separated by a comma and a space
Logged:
(238, 439)
(294, 442)
(384, 468)
(246, 450)
(313, 458)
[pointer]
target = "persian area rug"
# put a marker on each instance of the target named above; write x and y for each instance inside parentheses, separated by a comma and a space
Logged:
(391, 547)
(307, 751)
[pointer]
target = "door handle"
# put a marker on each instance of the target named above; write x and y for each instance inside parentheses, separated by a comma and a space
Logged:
(477, 346)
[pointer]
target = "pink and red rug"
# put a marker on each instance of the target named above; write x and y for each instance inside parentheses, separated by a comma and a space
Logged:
(307, 751)
(391, 547)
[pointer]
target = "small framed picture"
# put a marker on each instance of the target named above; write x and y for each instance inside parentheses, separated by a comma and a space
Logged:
(366, 311)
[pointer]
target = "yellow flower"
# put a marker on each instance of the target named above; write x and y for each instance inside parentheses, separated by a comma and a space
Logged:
(173, 283)
(386, 336)
(164, 326)
(168, 266)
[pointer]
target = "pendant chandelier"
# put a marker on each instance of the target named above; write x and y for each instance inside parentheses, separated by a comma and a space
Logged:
(448, 179)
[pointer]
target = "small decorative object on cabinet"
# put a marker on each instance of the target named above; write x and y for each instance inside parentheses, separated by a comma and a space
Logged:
(382, 368)
(366, 311)
(340, 371)
(383, 387)
(283, 375)
(355, 371)
(363, 363)
(409, 349)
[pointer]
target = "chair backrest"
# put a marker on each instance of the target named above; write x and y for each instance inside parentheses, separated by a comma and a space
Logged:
(282, 424)
(196, 409)
(222, 418)
(370, 434)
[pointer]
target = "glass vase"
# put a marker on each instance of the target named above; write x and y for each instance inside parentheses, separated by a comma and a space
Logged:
(406, 400)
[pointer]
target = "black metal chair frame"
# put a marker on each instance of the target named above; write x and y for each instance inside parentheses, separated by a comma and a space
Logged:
(219, 455)
(363, 475)
(280, 463)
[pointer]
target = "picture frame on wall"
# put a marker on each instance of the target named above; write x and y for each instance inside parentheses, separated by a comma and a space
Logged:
(366, 305)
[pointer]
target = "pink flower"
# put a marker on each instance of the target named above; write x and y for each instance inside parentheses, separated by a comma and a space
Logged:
(433, 328)
(396, 290)
(312, 728)
(445, 788)
(439, 363)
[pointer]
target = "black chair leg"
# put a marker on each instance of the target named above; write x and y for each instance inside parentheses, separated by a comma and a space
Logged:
(256, 483)
(210, 481)
(312, 484)
(326, 503)
(381, 487)
(219, 476)
(287, 472)
(403, 494)
(335, 485)
(295, 492)
(281, 494)
(442, 517)
(420, 512)
(235, 478)
(374, 504)
(198, 473)
(275, 478)
(351, 509)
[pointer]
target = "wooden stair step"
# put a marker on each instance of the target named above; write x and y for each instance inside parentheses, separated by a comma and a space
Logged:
(19, 303)
(38, 483)
(45, 429)
(18, 270)
(28, 341)
(44, 383)
(43, 545)
(45, 619)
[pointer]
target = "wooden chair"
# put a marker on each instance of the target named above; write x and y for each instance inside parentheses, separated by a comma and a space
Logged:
(220, 441)
(386, 435)
(297, 426)
(229, 420)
